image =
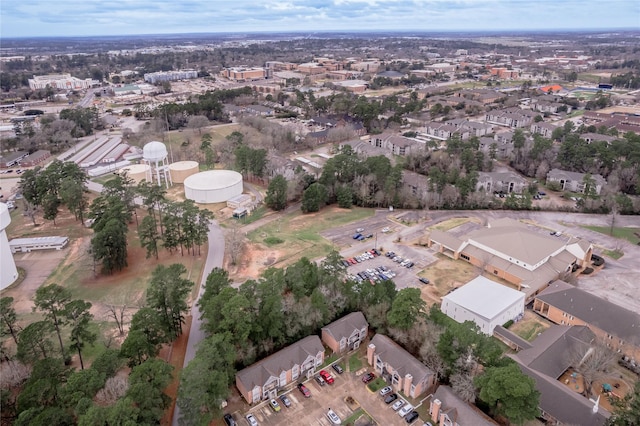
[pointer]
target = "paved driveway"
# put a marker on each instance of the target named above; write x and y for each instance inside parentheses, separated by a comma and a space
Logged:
(312, 411)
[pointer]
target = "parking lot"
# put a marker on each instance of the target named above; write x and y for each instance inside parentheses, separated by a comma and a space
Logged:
(313, 410)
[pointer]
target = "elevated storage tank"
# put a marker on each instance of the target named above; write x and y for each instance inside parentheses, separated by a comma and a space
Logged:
(181, 170)
(213, 186)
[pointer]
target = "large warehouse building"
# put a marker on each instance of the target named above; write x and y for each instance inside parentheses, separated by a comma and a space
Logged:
(213, 186)
(8, 270)
(485, 302)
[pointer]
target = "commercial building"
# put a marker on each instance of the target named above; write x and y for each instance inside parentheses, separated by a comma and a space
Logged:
(508, 249)
(60, 81)
(159, 77)
(484, 302)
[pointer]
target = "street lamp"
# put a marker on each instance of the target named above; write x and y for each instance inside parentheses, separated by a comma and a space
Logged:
(376, 246)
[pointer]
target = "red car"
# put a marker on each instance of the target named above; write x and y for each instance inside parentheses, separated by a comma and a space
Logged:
(368, 377)
(306, 392)
(327, 377)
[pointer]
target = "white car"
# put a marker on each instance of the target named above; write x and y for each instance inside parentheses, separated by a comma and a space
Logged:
(396, 405)
(385, 390)
(252, 420)
(405, 410)
(333, 417)
(386, 229)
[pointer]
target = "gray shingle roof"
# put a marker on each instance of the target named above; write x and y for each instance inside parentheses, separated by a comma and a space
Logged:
(460, 412)
(402, 361)
(345, 326)
(591, 309)
(257, 374)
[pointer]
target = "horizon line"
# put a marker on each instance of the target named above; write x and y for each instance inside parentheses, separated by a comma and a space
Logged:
(347, 31)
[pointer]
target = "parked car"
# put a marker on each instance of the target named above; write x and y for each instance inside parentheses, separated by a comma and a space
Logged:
(396, 405)
(337, 368)
(274, 405)
(361, 238)
(385, 390)
(229, 420)
(390, 398)
(320, 380)
(356, 236)
(285, 401)
(424, 280)
(304, 390)
(405, 410)
(386, 229)
(360, 230)
(326, 376)
(251, 420)
(411, 417)
(368, 377)
(333, 417)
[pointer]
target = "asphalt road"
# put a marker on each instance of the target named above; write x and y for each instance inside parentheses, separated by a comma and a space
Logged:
(196, 335)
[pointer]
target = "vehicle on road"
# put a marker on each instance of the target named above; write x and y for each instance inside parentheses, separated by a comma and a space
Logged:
(274, 405)
(405, 410)
(304, 390)
(333, 417)
(368, 377)
(337, 368)
(385, 390)
(251, 420)
(396, 405)
(229, 420)
(390, 398)
(326, 376)
(285, 401)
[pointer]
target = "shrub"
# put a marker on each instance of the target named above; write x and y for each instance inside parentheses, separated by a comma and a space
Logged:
(508, 324)
(272, 241)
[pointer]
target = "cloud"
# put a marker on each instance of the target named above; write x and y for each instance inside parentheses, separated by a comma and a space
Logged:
(23, 18)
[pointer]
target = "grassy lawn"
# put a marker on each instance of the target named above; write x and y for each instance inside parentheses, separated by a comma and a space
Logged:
(329, 360)
(629, 234)
(355, 416)
(447, 225)
(377, 384)
(614, 254)
(300, 233)
(447, 273)
(529, 327)
(355, 363)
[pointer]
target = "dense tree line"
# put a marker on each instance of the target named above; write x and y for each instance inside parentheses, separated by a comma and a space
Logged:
(50, 392)
(46, 189)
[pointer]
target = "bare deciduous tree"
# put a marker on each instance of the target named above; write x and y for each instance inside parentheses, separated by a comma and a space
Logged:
(114, 388)
(13, 373)
(462, 385)
(592, 362)
(235, 244)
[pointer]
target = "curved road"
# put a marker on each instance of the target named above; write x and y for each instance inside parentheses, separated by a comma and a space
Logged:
(215, 256)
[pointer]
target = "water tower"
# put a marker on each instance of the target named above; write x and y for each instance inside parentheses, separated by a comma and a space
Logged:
(154, 154)
(8, 271)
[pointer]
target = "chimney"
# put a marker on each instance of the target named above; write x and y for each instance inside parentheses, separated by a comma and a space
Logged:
(371, 350)
(434, 410)
(406, 386)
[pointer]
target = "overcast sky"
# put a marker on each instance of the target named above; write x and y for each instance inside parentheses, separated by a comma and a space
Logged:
(27, 18)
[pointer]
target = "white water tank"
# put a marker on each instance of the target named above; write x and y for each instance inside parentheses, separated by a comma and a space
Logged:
(8, 270)
(213, 186)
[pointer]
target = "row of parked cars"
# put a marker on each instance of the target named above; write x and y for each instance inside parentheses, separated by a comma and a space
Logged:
(381, 273)
(407, 263)
(403, 408)
(369, 254)
(323, 377)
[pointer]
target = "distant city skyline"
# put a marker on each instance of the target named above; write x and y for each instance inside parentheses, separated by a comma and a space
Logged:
(49, 18)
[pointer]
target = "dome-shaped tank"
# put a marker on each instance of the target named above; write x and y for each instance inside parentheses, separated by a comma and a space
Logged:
(180, 170)
(213, 186)
(154, 151)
